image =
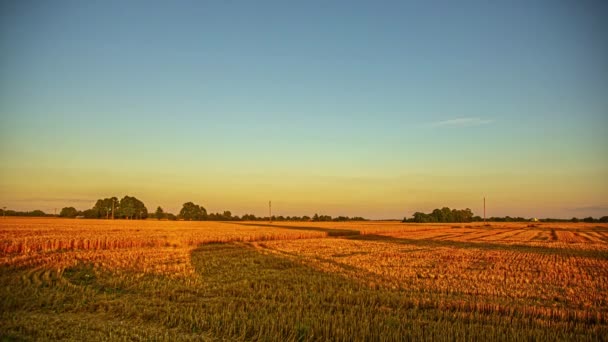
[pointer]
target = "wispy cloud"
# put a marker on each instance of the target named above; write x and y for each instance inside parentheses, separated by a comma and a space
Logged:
(461, 122)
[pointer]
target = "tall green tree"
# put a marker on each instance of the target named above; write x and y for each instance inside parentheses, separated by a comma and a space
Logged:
(103, 207)
(69, 212)
(160, 213)
(443, 215)
(192, 212)
(421, 217)
(132, 208)
(90, 214)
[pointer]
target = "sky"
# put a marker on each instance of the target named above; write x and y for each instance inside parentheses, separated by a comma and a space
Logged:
(359, 108)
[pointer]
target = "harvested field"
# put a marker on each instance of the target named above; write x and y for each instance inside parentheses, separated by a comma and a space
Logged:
(66, 279)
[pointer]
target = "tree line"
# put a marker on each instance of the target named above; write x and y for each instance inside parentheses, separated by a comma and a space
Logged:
(127, 208)
(589, 219)
(34, 213)
(194, 212)
(447, 215)
(442, 215)
(132, 208)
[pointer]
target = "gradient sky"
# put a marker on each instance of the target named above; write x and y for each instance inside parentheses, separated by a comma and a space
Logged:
(375, 108)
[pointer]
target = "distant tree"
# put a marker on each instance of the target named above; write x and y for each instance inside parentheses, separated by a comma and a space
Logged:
(421, 217)
(70, 212)
(193, 212)
(132, 208)
(128, 207)
(437, 215)
(37, 213)
(104, 207)
(574, 219)
(589, 219)
(159, 214)
(604, 219)
(171, 217)
(249, 217)
(465, 215)
(225, 216)
(444, 215)
(34, 213)
(321, 218)
(90, 214)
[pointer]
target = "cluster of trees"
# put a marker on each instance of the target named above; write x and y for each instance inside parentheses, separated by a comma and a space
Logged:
(190, 212)
(251, 217)
(127, 208)
(443, 215)
(70, 212)
(447, 215)
(34, 213)
(502, 219)
(326, 218)
(603, 219)
(160, 214)
(194, 212)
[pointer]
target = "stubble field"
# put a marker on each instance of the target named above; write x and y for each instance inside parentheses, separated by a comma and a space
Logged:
(63, 279)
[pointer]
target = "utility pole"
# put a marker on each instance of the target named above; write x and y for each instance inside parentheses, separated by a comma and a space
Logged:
(484, 210)
(270, 211)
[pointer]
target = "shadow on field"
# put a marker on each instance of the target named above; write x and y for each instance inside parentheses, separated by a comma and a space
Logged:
(247, 293)
(252, 295)
(484, 246)
(356, 235)
(329, 231)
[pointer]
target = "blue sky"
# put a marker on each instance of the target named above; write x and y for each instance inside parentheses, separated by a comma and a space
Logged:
(357, 108)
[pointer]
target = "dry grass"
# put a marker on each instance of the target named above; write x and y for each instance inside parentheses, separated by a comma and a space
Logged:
(301, 281)
(25, 235)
